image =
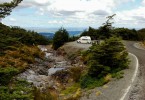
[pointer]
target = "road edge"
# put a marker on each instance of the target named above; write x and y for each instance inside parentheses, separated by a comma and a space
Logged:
(127, 90)
(138, 46)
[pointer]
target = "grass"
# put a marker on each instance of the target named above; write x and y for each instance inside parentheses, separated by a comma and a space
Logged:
(17, 90)
(72, 93)
(118, 75)
(108, 78)
(12, 63)
(44, 95)
(70, 90)
(91, 82)
(21, 57)
(98, 93)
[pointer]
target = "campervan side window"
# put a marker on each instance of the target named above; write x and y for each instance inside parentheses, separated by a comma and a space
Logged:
(84, 39)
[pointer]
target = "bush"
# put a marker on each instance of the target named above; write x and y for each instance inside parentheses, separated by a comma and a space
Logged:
(6, 74)
(39, 95)
(70, 90)
(60, 37)
(21, 57)
(109, 57)
(97, 70)
(75, 73)
(62, 76)
(14, 37)
(108, 78)
(18, 90)
(103, 61)
(118, 75)
(89, 82)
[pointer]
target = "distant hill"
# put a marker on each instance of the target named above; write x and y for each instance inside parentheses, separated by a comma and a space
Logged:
(74, 33)
(47, 34)
(51, 34)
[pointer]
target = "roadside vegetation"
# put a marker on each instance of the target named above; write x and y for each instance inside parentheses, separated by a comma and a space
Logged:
(142, 35)
(60, 37)
(123, 33)
(103, 62)
(99, 65)
(18, 49)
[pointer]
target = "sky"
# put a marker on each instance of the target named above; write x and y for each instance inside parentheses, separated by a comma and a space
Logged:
(76, 13)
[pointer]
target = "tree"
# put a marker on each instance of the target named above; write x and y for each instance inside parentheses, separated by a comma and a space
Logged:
(125, 33)
(105, 30)
(109, 57)
(6, 8)
(16, 36)
(108, 23)
(90, 32)
(141, 34)
(60, 37)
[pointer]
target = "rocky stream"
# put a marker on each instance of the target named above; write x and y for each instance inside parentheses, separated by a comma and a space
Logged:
(40, 73)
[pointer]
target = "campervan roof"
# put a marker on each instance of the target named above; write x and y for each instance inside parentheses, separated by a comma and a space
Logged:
(86, 37)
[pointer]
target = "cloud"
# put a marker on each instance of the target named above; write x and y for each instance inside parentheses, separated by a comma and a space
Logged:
(101, 13)
(27, 4)
(143, 2)
(139, 18)
(42, 1)
(53, 22)
(67, 13)
(81, 5)
(79, 12)
(3, 1)
(134, 17)
(57, 22)
(12, 19)
(123, 1)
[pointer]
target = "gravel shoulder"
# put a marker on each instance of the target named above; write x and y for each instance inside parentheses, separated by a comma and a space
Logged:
(115, 89)
(139, 46)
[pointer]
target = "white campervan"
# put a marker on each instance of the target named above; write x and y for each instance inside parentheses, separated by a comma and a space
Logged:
(84, 39)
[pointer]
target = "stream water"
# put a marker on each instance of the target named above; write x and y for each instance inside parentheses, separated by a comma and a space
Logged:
(54, 70)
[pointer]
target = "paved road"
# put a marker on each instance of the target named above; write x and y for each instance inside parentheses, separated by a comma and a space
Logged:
(138, 91)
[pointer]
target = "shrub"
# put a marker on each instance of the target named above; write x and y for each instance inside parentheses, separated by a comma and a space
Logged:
(107, 78)
(14, 37)
(70, 90)
(118, 75)
(6, 74)
(109, 57)
(21, 57)
(104, 61)
(97, 70)
(18, 90)
(62, 76)
(43, 95)
(72, 93)
(89, 82)
(60, 37)
(76, 73)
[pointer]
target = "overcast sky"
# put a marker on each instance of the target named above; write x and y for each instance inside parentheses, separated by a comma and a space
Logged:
(77, 13)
